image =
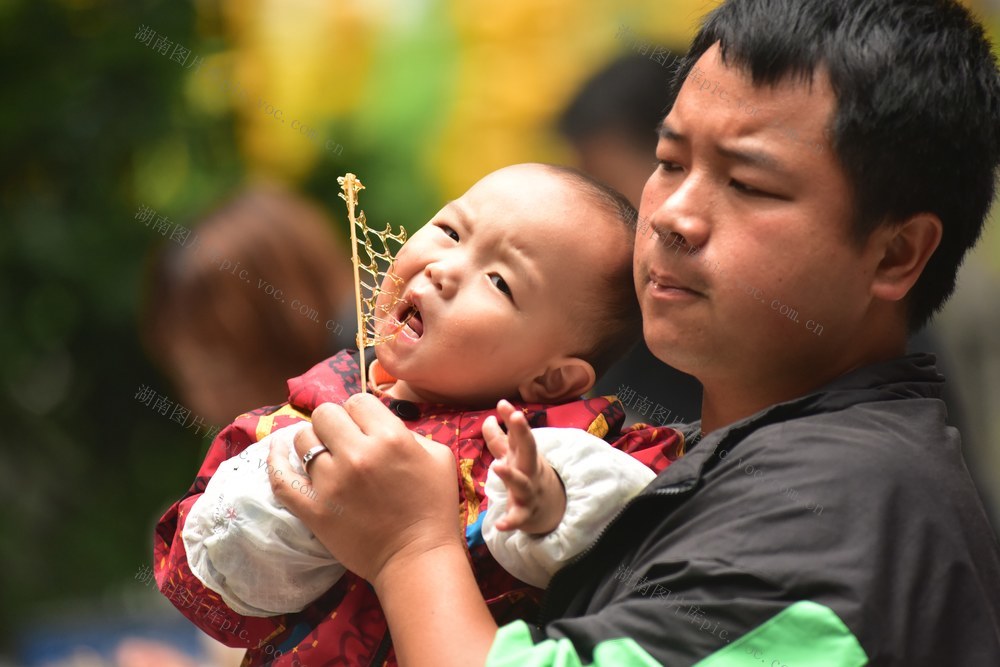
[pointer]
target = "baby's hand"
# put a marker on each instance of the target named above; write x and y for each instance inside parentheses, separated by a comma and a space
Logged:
(537, 497)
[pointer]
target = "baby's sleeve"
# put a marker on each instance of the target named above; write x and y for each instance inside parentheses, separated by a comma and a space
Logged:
(174, 578)
(245, 546)
(599, 480)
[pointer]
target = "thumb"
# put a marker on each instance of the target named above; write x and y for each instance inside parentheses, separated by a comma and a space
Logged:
(496, 439)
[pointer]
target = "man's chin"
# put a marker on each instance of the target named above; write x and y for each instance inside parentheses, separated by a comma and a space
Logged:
(669, 346)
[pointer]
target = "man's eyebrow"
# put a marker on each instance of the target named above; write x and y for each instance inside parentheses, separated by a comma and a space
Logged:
(664, 131)
(754, 158)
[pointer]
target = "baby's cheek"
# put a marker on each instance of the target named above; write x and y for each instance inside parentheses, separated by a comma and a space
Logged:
(489, 344)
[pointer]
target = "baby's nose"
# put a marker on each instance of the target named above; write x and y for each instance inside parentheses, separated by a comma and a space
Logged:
(443, 276)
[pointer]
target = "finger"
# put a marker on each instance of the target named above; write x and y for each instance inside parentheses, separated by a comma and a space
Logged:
(331, 426)
(523, 452)
(519, 485)
(504, 523)
(283, 476)
(515, 518)
(304, 440)
(496, 439)
(505, 409)
(501, 470)
(372, 417)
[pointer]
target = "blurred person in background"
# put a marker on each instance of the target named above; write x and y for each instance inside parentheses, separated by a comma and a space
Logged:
(611, 124)
(611, 121)
(263, 292)
(968, 328)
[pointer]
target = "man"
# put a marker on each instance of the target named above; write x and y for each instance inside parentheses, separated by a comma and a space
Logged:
(824, 168)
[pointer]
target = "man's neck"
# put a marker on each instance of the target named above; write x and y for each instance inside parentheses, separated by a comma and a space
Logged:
(727, 400)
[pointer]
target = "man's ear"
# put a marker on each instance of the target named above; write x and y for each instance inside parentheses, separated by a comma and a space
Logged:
(563, 379)
(905, 248)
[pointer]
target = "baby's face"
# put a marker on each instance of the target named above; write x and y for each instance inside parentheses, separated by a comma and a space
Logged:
(498, 282)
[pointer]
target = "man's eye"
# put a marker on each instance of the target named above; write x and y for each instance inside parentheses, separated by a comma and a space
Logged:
(449, 231)
(500, 284)
(667, 165)
(739, 186)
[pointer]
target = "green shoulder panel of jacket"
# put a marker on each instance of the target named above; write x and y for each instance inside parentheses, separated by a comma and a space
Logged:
(806, 634)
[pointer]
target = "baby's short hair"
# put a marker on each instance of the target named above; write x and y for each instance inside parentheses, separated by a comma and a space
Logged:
(615, 323)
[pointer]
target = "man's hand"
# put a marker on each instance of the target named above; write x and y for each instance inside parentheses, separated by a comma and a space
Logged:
(379, 495)
(537, 497)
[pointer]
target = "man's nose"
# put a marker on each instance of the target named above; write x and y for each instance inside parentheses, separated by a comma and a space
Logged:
(682, 217)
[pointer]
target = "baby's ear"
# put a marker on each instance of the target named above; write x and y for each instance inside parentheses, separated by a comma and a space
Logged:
(563, 379)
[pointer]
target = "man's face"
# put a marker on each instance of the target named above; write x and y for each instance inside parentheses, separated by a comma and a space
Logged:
(498, 280)
(776, 291)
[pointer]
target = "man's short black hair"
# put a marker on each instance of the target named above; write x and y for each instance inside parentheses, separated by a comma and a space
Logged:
(917, 120)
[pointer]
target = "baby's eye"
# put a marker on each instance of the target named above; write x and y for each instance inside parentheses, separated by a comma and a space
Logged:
(449, 231)
(500, 284)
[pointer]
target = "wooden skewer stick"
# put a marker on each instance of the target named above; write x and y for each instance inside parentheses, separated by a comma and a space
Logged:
(350, 185)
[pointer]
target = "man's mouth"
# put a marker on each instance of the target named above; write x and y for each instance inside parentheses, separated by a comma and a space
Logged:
(666, 284)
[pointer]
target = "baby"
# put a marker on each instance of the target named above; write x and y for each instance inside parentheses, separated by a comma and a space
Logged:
(520, 290)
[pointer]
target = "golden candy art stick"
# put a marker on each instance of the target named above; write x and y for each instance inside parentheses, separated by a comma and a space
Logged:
(377, 268)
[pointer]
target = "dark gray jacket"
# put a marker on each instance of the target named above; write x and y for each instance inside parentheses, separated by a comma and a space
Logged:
(840, 528)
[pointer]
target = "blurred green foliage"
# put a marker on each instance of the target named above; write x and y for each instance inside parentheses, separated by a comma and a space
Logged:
(85, 470)
(93, 124)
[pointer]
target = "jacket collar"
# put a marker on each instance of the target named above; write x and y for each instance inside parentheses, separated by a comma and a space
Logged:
(909, 376)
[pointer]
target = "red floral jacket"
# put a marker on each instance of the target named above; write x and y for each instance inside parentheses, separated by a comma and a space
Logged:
(345, 626)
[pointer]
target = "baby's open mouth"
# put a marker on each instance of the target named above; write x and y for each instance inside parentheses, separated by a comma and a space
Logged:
(411, 322)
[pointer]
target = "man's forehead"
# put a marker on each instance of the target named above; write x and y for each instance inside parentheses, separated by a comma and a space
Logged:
(735, 73)
(723, 100)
